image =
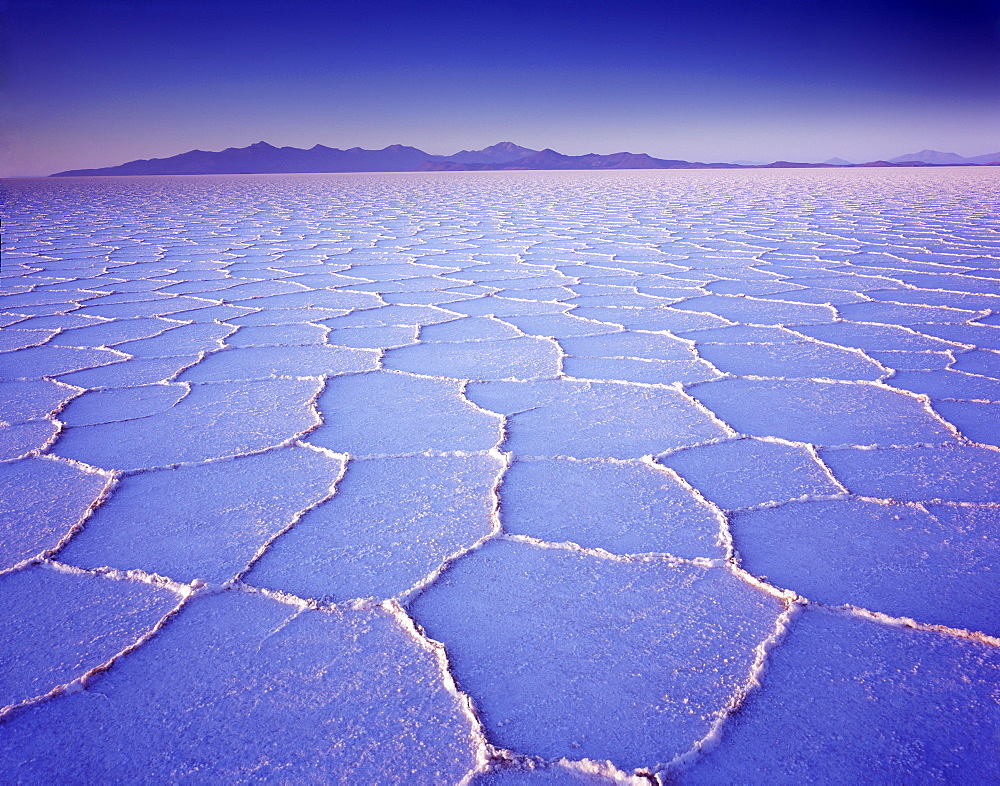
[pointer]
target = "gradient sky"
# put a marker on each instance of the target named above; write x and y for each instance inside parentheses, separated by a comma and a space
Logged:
(87, 83)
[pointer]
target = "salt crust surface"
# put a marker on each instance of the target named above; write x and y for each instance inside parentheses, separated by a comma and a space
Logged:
(501, 477)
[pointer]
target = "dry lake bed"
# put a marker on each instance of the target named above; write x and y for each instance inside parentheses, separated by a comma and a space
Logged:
(502, 478)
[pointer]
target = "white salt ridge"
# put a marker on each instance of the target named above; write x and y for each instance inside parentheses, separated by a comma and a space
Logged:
(297, 401)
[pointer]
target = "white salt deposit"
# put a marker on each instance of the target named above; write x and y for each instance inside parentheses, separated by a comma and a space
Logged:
(501, 477)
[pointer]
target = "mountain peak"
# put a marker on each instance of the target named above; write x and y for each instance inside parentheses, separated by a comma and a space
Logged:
(929, 157)
(500, 153)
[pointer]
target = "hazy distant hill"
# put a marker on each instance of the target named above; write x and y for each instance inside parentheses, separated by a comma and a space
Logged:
(550, 159)
(262, 158)
(937, 157)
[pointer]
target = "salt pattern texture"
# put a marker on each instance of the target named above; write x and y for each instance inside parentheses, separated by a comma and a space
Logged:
(502, 478)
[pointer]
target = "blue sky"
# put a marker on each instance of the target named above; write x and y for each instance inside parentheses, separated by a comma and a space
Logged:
(95, 83)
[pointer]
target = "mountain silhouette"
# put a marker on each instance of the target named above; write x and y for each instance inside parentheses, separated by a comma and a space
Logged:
(263, 158)
(939, 158)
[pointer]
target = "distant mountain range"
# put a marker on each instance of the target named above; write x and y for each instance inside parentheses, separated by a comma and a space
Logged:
(262, 158)
(936, 157)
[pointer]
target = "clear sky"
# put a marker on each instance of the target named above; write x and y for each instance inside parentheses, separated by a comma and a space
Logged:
(90, 83)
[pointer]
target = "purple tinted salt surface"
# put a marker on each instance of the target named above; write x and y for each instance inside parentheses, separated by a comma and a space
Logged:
(502, 477)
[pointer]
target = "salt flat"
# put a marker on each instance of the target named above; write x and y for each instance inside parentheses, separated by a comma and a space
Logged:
(502, 477)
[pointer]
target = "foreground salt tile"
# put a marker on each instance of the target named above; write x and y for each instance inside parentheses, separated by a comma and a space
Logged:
(21, 439)
(978, 421)
(961, 473)
(213, 421)
(745, 472)
(14, 338)
(791, 360)
(265, 362)
(32, 400)
(945, 384)
(822, 413)
(48, 361)
(847, 700)
(107, 334)
(891, 558)
(67, 624)
(40, 502)
(107, 406)
(183, 340)
(205, 521)
(384, 337)
(874, 337)
(594, 419)
(384, 413)
(621, 507)
(664, 318)
(759, 312)
(900, 314)
(512, 358)
(391, 524)
(296, 334)
(388, 316)
(742, 334)
(469, 329)
(153, 307)
(568, 655)
(651, 346)
(503, 307)
(555, 775)
(282, 316)
(556, 325)
(977, 361)
(902, 360)
(137, 371)
(238, 687)
(651, 372)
